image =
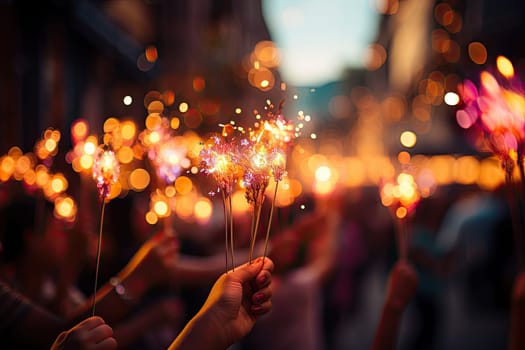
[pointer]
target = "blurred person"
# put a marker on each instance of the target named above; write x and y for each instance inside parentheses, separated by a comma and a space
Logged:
(434, 264)
(304, 254)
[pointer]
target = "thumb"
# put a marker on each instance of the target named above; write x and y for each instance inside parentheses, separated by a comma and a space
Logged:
(247, 271)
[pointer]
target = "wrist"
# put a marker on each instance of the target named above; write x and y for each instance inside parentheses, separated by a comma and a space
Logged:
(129, 289)
(192, 337)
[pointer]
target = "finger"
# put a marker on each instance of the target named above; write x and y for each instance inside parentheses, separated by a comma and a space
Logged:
(261, 309)
(100, 333)
(106, 344)
(263, 279)
(90, 323)
(247, 271)
(262, 296)
(268, 264)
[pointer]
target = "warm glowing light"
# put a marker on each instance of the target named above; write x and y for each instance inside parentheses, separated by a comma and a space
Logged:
(451, 98)
(323, 173)
(90, 148)
(127, 100)
(408, 139)
(79, 130)
(477, 52)
(59, 183)
(505, 66)
(203, 210)
(106, 171)
(401, 212)
(183, 107)
(139, 179)
(151, 54)
(65, 208)
(151, 218)
(238, 110)
(161, 208)
(128, 130)
(183, 185)
(86, 161)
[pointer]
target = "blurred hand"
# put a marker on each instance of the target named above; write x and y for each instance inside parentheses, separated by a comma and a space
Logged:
(518, 290)
(155, 259)
(402, 285)
(92, 333)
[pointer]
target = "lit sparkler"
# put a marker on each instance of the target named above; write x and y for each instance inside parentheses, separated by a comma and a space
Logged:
(106, 170)
(219, 159)
(498, 109)
(402, 197)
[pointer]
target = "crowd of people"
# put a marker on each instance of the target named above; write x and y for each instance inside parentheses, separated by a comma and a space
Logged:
(171, 290)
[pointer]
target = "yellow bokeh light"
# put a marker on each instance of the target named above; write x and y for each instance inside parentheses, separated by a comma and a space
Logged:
(161, 208)
(183, 107)
(139, 179)
(151, 218)
(59, 183)
(90, 148)
(203, 209)
(65, 208)
(79, 130)
(505, 66)
(153, 121)
(125, 155)
(408, 139)
(401, 212)
(111, 124)
(156, 106)
(86, 161)
(128, 130)
(323, 173)
(175, 123)
(183, 185)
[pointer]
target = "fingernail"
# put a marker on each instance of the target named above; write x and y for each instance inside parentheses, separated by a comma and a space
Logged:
(258, 297)
(256, 308)
(262, 279)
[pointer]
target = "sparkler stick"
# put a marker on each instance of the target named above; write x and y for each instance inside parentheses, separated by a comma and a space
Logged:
(217, 159)
(515, 212)
(105, 173)
(270, 220)
(231, 232)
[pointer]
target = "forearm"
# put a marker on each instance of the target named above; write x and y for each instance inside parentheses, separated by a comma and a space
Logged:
(197, 271)
(199, 333)
(113, 305)
(517, 327)
(387, 330)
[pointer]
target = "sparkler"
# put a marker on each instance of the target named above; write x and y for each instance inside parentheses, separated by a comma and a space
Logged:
(167, 153)
(498, 109)
(264, 156)
(106, 171)
(402, 197)
(219, 159)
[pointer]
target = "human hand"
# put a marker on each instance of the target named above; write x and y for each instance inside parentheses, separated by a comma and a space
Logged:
(402, 285)
(518, 290)
(155, 259)
(237, 299)
(92, 333)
